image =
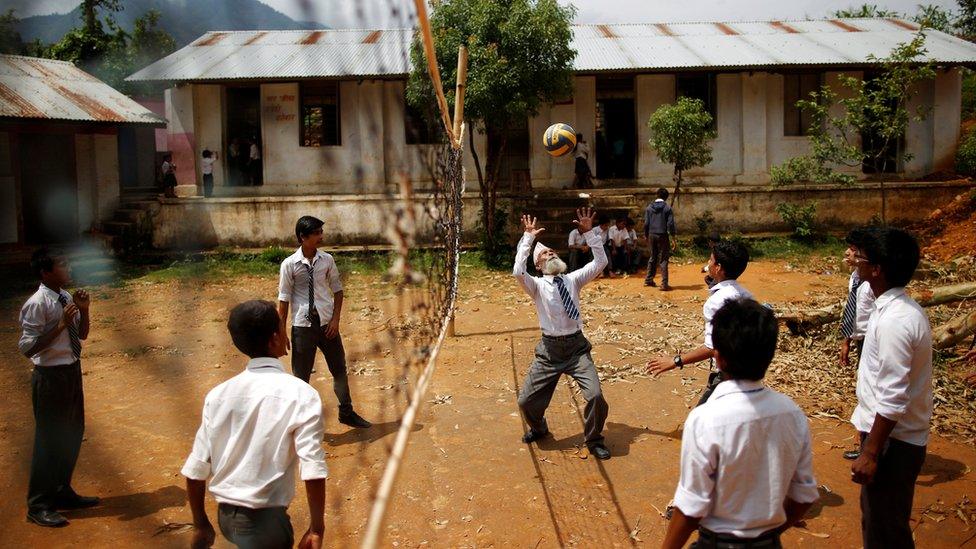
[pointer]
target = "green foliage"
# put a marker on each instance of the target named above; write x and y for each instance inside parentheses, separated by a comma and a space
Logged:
(703, 224)
(680, 133)
(966, 154)
(800, 218)
(968, 94)
(496, 252)
(966, 23)
(10, 40)
(865, 10)
(805, 168)
(936, 17)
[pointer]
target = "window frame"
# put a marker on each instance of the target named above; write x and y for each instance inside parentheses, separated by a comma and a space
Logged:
(711, 90)
(790, 110)
(304, 89)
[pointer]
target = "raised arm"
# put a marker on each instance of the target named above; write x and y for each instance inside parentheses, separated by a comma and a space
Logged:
(584, 221)
(527, 281)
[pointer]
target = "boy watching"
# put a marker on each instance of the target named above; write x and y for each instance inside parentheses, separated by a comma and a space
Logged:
(309, 281)
(579, 251)
(860, 300)
(659, 229)
(257, 426)
(620, 252)
(727, 262)
(746, 458)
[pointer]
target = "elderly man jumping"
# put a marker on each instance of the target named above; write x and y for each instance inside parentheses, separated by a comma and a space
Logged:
(563, 348)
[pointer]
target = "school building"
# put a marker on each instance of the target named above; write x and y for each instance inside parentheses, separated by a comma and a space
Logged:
(326, 113)
(69, 146)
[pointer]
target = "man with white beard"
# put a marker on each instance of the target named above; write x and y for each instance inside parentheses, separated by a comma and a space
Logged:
(563, 348)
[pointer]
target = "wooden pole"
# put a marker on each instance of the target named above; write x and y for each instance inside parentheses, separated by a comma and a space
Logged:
(435, 74)
(462, 78)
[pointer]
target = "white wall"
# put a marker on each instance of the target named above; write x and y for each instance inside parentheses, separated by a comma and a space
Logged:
(208, 124)
(946, 114)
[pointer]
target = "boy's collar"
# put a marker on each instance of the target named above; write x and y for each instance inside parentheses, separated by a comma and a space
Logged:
(263, 362)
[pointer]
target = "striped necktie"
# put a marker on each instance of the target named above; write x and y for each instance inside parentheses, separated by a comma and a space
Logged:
(567, 300)
(72, 330)
(311, 292)
(850, 309)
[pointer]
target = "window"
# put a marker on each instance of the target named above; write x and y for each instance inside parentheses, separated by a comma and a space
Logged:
(797, 86)
(320, 114)
(699, 86)
(421, 128)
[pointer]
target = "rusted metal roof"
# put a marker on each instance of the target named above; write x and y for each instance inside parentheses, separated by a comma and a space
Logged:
(280, 55)
(57, 90)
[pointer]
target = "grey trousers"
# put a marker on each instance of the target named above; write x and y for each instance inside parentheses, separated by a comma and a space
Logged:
(555, 356)
(59, 426)
(268, 528)
(660, 254)
(304, 343)
(886, 503)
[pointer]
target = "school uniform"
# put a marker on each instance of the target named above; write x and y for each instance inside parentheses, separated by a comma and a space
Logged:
(635, 253)
(254, 165)
(743, 453)
(658, 224)
(309, 287)
(619, 239)
(206, 168)
(577, 257)
(256, 428)
(563, 348)
(57, 398)
(605, 242)
(857, 311)
(718, 294)
(894, 380)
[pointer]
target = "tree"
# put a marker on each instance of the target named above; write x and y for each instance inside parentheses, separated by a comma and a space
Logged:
(10, 40)
(865, 11)
(680, 133)
(519, 58)
(875, 109)
(966, 23)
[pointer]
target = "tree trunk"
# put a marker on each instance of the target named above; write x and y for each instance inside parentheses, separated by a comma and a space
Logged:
(802, 321)
(954, 331)
(489, 182)
(677, 185)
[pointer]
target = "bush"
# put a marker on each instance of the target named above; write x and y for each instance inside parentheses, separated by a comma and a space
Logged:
(804, 168)
(500, 254)
(966, 155)
(800, 217)
(703, 223)
(274, 254)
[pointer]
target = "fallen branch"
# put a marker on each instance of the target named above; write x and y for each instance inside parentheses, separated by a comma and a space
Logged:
(954, 331)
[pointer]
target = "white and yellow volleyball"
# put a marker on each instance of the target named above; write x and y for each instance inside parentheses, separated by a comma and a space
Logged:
(559, 139)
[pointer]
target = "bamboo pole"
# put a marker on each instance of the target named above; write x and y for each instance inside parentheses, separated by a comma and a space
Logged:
(462, 79)
(435, 74)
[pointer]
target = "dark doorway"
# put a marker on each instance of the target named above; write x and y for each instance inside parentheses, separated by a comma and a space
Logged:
(616, 128)
(513, 171)
(49, 188)
(137, 157)
(243, 130)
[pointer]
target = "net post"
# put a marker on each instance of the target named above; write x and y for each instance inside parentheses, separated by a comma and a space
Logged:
(462, 78)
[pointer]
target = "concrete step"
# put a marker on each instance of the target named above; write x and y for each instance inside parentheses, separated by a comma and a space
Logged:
(117, 228)
(134, 215)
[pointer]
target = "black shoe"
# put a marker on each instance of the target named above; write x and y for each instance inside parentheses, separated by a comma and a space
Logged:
(353, 419)
(76, 502)
(665, 288)
(852, 454)
(47, 517)
(599, 451)
(650, 283)
(532, 436)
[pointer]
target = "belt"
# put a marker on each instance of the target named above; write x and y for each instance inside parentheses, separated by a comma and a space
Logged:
(768, 539)
(570, 336)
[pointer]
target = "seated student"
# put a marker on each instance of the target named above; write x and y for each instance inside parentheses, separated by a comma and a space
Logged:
(635, 252)
(727, 262)
(619, 241)
(746, 458)
(257, 427)
(579, 252)
(603, 230)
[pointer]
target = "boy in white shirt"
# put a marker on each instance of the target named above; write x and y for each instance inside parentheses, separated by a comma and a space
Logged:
(620, 253)
(257, 426)
(579, 251)
(206, 168)
(746, 458)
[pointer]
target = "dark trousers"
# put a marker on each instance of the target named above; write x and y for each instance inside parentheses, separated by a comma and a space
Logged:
(886, 503)
(621, 258)
(59, 423)
(660, 254)
(304, 342)
(714, 378)
(555, 356)
(608, 249)
(267, 528)
(577, 258)
(712, 540)
(208, 185)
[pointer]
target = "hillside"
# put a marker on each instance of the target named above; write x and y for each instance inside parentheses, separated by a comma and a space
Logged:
(184, 20)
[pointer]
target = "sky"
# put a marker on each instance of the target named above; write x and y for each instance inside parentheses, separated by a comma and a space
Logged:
(396, 13)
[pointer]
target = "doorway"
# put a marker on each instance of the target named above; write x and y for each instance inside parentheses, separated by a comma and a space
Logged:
(50, 199)
(616, 128)
(243, 130)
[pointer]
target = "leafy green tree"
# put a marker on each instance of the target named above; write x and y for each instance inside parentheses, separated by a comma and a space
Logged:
(866, 11)
(966, 23)
(936, 17)
(10, 40)
(519, 58)
(877, 107)
(147, 44)
(681, 133)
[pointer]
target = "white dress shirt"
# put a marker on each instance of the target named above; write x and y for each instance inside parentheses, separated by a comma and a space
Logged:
(894, 376)
(619, 237)
(576, 239)
(256, 427)
(725, 290)
(293, 286)
(39, 315)
(604, 235)
(206, 165)
(553, 318)
(742, 454)
(865, 306)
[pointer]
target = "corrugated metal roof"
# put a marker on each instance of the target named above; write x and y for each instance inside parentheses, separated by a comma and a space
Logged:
(57, 90)
(611, 47)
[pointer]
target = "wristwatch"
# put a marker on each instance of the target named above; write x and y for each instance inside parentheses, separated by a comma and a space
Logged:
(677, 361)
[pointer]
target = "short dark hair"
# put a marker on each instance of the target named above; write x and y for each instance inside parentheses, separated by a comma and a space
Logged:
(895, 251)
(307, 225)
(744, 334)
(602, 219)
(662, 193)
(251, 325)
(167, 156)
(42, 260)
(856, 237)
(207, 153)
(732, 256)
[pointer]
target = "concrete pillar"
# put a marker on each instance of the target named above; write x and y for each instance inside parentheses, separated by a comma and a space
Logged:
(85, 179)
(945, 115)
(106, 172)
(754, 161)
(371, 132)
(919, 133)
(584, 101)
(653, 91)
(209, 123)
(181, 137)
(540, 163)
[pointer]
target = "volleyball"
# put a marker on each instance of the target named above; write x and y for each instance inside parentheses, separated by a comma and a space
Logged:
(559, 139)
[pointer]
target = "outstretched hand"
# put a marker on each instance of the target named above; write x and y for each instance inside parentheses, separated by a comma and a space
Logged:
(584, 219)
(529, 223)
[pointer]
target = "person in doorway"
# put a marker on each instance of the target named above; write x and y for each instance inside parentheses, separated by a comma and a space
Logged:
(659, 228)
(256, 428)
(254, 164)
(894, 390)
(309, 283)
(746, 455)
(168, 172)
(206, 168)
(54, 324)
(582, 176)
(563, 348)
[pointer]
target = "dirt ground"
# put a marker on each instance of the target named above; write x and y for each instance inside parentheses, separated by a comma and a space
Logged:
(157, 348)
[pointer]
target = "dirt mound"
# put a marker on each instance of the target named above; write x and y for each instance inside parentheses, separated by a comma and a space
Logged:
(950, 232)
